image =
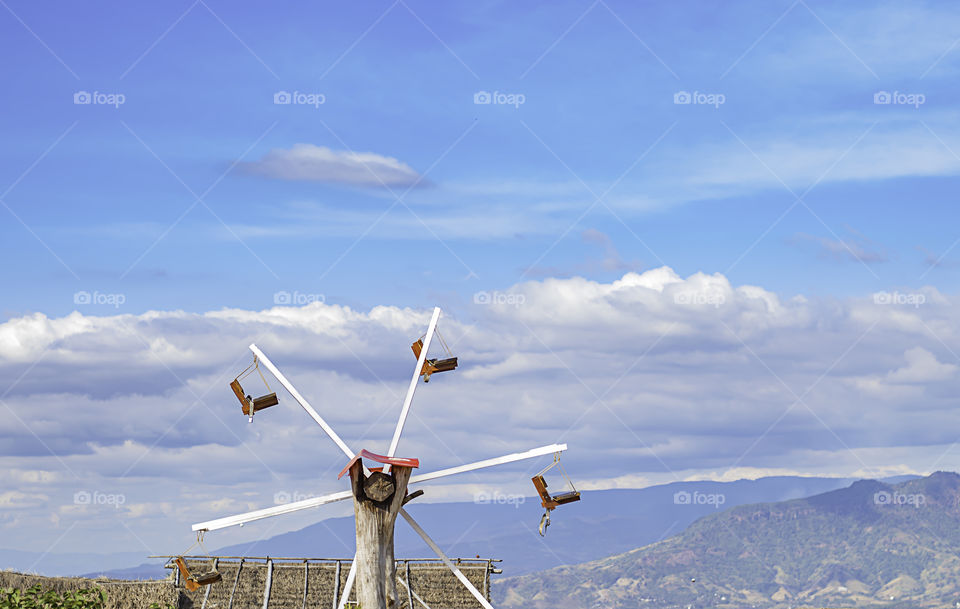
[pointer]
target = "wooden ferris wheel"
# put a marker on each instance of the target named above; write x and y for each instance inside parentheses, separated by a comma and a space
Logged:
(378, 493)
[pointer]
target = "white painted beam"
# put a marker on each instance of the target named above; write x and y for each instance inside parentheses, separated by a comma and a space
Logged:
(412, 388)
(228, 521)
(436, 549)
(534, 452)
(302, 401)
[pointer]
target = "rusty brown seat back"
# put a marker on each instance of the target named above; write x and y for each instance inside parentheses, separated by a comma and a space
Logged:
(545, 499)
(238, 391)
(188, 582)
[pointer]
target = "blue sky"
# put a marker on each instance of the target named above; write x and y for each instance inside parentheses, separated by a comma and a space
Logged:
(112, 199)
(686, 272)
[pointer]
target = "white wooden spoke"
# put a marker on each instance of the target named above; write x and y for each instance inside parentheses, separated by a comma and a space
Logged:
(436, 549)
(412, 388)
(535, 452)
(302, 401)
(229, 521)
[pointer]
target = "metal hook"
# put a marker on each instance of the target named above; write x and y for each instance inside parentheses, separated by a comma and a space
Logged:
(544, 523)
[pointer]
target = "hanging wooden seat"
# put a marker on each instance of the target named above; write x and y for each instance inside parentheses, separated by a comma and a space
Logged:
(250, 405)
(549, 501)
(264, 401)
(432, 365)
(193, 582)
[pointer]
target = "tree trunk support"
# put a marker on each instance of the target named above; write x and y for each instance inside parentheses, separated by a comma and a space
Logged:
(376, 572)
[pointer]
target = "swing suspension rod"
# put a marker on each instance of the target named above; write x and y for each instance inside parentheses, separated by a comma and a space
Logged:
(256, 366)
(443, 343)
(556, 463)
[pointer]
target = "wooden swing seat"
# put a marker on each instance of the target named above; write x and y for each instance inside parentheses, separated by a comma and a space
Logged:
(194, 582)
(432, 365)
(549, 501)
(264, 401)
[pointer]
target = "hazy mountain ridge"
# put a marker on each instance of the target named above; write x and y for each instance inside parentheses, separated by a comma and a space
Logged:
(605, 522)
(857, 546)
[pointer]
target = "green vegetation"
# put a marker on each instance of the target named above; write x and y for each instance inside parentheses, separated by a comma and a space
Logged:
(36, 598)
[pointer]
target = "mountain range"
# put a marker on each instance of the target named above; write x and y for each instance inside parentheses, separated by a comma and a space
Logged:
(603, 523)
(871, 544)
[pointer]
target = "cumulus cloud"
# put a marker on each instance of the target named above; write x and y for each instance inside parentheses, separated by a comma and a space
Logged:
(321, 164)
(649, 378)
(922, 367)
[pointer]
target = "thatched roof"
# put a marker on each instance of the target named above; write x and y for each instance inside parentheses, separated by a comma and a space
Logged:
(294, 583)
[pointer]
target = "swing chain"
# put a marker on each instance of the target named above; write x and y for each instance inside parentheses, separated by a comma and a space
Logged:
(256, 366)
(556, 458)
(443, 342)
(256, 362)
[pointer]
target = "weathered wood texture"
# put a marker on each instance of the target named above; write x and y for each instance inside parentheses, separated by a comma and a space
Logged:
(375, 519)
(378, 486)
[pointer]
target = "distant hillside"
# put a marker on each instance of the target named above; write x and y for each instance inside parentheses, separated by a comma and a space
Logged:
(603, 523)
(869, 545)
(66, 564)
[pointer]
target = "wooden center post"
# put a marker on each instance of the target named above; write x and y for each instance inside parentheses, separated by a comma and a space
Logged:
(377, 500)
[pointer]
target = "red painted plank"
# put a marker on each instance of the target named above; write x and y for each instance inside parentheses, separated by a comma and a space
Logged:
(394, 461)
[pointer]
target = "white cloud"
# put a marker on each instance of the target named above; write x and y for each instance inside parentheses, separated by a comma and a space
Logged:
(822, 148)
(624, 481)
(922, 367)
(12, 500)
(648, 378)
(747, 473)
(831, 148)
(322, 164)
